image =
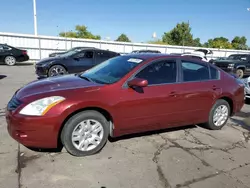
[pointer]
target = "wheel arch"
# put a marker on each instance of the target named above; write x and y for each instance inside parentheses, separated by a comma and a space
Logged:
(230, 102)
(101, 110)
(56, 63)
(242, 67)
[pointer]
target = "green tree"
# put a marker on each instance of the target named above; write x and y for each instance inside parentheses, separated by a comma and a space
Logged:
(81, 31)
(239, 43)
(218, 42)
(181, 36)
(123, 38)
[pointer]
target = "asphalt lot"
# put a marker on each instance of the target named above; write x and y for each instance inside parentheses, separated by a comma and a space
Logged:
(187, 157)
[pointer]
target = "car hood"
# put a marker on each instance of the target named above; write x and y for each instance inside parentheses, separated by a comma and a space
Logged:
(57, 54)
(49, 59)
(60, 83)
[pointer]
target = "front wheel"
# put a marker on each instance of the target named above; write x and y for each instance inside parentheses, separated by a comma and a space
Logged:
(56, 70)
(218, 115)
(85, 133)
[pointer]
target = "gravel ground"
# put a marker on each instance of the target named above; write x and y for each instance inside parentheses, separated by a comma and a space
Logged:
(191, 157)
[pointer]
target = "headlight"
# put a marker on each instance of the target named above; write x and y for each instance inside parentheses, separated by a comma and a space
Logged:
(230, 65)
(41, 106)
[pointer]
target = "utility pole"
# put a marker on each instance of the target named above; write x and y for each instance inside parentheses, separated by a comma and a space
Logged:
(35, 22)
(184, 34)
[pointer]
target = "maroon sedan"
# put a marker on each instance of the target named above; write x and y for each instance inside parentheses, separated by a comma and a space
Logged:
(123, 95)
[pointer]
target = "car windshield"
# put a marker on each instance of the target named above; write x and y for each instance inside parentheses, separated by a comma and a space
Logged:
(112, 70)
(238, 57)
(71, 52)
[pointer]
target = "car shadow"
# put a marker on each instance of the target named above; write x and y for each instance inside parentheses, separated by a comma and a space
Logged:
(18, 64)
(125, 137)
(149, 133)
(24, 64)
(2, 77)
(243, 114)
(247, 102)
(245, 123)
(45, 150)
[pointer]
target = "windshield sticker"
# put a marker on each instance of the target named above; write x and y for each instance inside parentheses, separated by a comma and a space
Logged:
(133, 60)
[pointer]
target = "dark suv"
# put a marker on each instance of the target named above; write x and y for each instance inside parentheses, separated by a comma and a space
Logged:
(74, 61)
(238, 64)
(10, 55)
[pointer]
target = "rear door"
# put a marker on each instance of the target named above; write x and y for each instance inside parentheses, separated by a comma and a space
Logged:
(197, 91)
(101, 56)
(82, 61)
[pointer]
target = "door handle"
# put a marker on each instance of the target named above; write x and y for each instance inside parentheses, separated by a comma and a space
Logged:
(173, 94)
(215, 87)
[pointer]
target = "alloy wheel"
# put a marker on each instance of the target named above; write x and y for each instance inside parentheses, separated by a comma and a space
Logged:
(87, 135)
(220, 115)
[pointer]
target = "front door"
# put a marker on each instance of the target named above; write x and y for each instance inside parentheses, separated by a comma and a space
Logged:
(155, 106)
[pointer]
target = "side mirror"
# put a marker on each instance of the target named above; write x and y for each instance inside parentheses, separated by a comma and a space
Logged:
(138, 82)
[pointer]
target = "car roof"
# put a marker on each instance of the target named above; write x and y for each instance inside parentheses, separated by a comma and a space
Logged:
(146, 56)
(238, 54)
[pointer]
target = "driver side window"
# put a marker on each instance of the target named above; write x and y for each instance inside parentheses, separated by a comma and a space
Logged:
(86, 54)
(161, 72)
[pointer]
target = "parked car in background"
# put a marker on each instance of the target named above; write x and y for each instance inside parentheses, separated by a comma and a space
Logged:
(199, 54)
(10, 55)
(72, 62)
(238, 64)
(145, 51)
(217, 59)
(123, 95)
(246, 82)
(56, 54)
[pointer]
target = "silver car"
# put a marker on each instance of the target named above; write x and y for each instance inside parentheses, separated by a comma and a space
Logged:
(246, 82)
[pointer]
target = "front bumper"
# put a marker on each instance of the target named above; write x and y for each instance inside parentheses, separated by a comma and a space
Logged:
(247, 92)
(38, 132)
(23, 58)
(41, 71)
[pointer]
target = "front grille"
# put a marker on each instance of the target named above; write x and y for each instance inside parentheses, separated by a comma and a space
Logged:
(13, 103)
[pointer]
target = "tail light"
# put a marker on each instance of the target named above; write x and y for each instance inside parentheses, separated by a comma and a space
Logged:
(24, 52)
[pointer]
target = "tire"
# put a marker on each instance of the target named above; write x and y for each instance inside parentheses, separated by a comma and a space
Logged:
(247, 100)
(10, 60)
(213, 125)
(240, 73)
(56, 70)
(76, 135)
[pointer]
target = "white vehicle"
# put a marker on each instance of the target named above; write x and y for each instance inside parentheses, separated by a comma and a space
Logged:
(246, 82)
(200, 54)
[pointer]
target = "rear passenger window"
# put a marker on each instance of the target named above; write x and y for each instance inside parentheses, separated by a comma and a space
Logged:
(103, 54)
(214, 73)
(194, 72)
(161, 72)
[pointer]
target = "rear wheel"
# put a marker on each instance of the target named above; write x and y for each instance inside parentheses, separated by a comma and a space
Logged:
(85, 133)
(10, 60)
(56, 70)
(219, 115)
(240, 73)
